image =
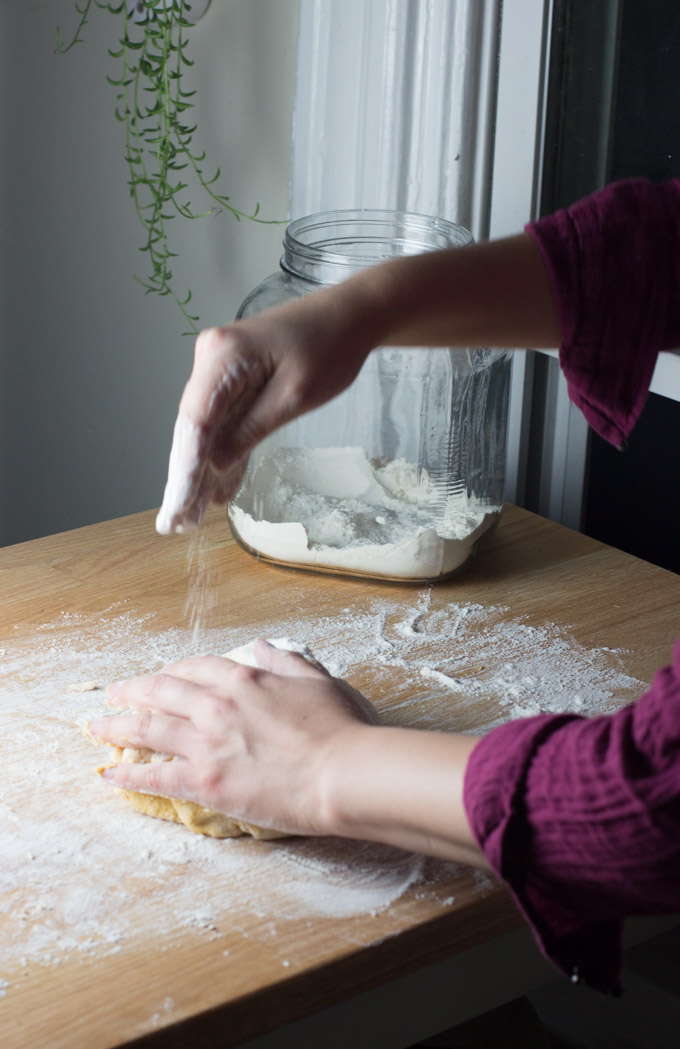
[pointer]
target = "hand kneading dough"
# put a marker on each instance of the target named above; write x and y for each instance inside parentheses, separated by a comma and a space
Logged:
(196, 817)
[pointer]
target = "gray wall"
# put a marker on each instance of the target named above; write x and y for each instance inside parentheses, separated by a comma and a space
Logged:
(91, 369)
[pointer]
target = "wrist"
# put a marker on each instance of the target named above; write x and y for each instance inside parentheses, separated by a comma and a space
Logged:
(399, 786)
(337, 767)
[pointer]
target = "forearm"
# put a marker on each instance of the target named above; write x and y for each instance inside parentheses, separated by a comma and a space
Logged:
(264, 370)
(403, 787)
(492, 294)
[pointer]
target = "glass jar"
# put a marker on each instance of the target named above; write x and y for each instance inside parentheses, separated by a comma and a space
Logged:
(400, 476)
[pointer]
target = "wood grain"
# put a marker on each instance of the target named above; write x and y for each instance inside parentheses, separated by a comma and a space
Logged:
(531, 567)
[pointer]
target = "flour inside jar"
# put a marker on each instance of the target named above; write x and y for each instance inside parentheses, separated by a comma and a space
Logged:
(335, 508)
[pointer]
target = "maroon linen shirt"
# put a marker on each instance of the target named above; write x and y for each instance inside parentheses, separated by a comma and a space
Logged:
(581, 816)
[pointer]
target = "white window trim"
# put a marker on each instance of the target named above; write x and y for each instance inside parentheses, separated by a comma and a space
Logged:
(519, 130)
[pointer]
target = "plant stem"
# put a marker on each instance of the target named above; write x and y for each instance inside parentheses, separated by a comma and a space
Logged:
(158, 144)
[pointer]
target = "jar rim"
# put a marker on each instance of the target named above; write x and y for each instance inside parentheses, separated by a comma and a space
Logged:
(330, 245)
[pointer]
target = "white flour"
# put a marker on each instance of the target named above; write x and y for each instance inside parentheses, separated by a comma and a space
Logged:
(80, 872)
(188, 488)
(332, 507)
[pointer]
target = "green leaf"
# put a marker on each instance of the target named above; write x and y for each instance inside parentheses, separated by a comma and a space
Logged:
(158, 144)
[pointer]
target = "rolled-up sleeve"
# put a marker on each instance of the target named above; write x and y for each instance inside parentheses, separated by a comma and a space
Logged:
(614, 263)
(581, 818)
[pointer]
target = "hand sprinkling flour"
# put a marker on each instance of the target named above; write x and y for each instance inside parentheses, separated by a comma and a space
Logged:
(190, 484)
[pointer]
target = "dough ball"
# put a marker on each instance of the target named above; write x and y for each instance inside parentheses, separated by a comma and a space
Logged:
(197, 818)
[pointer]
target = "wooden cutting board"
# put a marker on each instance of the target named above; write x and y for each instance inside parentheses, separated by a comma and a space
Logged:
(113, 926)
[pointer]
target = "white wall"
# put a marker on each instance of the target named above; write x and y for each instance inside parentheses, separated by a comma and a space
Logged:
(91, 369)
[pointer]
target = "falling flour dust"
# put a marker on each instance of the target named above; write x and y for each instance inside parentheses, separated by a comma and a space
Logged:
(81, 873)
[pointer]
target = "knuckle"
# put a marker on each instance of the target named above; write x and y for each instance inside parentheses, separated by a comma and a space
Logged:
(209, 782)
(213, 707)
(210, 341)
(296, 394)
(210, 715)
(243, 675)
(154, 779)
(154, 684)
(142, 724)
(206, 784)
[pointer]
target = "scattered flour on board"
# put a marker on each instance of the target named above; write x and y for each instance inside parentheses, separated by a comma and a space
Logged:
(80, 872)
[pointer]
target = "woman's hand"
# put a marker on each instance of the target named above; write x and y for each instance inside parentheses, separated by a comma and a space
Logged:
(249, 378)
(254, 744)
(291, 748)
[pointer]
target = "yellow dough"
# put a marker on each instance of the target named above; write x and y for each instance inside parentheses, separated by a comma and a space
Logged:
(196, 817)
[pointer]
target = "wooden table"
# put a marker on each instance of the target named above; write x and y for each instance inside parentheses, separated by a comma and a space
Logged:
(445, 948)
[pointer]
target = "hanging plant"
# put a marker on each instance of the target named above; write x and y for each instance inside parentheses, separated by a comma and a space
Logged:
(153, 107)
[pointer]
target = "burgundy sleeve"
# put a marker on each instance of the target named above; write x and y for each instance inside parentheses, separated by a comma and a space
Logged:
(614, 264)
(581, 818)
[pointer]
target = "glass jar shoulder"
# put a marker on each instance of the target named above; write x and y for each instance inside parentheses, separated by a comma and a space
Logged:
(274, 290)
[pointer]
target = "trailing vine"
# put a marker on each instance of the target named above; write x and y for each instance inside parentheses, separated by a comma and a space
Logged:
(159, 152)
